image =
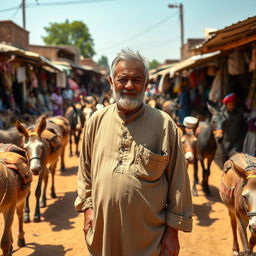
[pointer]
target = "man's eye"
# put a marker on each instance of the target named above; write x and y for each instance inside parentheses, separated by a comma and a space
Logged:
(121, 80)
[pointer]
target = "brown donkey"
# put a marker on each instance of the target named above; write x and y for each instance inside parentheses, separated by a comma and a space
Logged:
(238, 193)
(15, 179)
(43, 149)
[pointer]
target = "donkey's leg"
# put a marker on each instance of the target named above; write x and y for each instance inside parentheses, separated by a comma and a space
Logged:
(205, 178)
(43, 199)
(53, 171)
(62, 161)
(37, 216)
(242, 225)
(194, 190)
(235, 248)
(21, 239)
(252, 241)
(6, 242)
(70, 143)
(77, 138)
(26, 217)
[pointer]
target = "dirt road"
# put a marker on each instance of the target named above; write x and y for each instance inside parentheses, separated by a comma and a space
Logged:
(60, 232)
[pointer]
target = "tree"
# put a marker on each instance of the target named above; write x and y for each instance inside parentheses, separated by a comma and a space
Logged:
(75, 33)
(153, 64)
(103, 62)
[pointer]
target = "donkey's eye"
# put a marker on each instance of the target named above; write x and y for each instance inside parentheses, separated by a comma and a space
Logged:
(245, 197)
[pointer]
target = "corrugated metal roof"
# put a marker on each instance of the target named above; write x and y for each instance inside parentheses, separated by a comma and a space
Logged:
(231, 36)
(193, 62)
(40, 60)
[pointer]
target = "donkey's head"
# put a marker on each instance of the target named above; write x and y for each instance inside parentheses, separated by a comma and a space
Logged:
(78, 118)
(248, 194)
(33, 144)
(189, 142)
(217, 121)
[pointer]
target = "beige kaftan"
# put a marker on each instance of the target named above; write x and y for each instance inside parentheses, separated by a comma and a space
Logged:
(132, 173)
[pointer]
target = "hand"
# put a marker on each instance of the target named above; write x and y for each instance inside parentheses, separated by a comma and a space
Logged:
(88, 220)
(170, 242)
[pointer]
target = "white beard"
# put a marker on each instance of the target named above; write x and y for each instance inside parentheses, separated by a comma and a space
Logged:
(126, 102)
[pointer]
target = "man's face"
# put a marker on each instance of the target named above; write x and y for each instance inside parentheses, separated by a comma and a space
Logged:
(230, 106)
(129, 85)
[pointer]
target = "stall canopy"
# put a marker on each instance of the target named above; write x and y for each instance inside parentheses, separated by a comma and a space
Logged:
(193, 61)
(29, 56)
(237, 34)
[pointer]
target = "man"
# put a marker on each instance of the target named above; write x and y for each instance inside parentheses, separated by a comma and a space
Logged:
(133, 186)
(234, 126)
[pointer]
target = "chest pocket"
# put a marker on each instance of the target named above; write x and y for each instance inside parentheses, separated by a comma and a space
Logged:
(148, 165)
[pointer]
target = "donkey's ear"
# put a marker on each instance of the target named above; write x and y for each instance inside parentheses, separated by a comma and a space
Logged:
(41, 127)
(240, 171)
(21, 129)
(212, 109)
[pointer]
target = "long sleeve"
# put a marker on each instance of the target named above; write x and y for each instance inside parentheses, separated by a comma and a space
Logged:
(179, 201)
(84, 184)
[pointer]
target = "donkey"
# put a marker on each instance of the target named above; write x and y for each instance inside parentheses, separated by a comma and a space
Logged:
(43, 149)
(209, 133)
(15, 180)
(76, 120)
(60, 126)
(237, 191)
(10, 135)
(189, 145)
(171, 107)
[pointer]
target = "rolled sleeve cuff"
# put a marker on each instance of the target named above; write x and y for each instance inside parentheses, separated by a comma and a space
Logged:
(82, 205)
(179, 222)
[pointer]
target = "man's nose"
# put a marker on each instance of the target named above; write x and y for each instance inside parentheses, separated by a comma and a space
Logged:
(129, 85)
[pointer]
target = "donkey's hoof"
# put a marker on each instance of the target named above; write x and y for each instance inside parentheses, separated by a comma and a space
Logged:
(37, 219)
(43, 204)
(62, 169)
(53, 195)
(10, 252)
(70, 154)
(21, 242)
(26, 219)
(194, 192)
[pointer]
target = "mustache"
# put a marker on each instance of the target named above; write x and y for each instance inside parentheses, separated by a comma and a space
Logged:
(129, 91)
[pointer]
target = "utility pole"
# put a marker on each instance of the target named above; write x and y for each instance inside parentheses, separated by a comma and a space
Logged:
(24, 13)
(180, 6)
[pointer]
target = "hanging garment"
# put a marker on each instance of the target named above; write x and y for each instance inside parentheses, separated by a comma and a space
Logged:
(236, 63)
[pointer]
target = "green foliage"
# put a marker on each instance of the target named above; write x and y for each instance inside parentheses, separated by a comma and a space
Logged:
(75, 33)
(153, 64)
(103, 62)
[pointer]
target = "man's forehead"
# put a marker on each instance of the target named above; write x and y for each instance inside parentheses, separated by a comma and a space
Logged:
(129, 66)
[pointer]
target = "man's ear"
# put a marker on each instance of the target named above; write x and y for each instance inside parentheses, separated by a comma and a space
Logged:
(146, 85)
(110, 81)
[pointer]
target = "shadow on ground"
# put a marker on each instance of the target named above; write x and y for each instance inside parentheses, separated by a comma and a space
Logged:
(69, 171)
(203, 214)
(46, 250)
(60, 213)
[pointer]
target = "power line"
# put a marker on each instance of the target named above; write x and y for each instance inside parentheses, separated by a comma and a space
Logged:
(141, 33)
(10, 9)
(15, 13)
(67, 3)
(56, 3)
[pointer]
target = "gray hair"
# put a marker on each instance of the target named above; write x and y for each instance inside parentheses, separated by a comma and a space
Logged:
(129, 55)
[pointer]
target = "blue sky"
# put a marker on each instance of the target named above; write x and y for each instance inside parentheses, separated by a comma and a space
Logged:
(145, 25)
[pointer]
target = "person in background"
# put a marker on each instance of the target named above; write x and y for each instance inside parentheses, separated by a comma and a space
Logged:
(31, 104)
(184, 103)
(234, 126)
(68, 97)
(133, 185)
(57, 102)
